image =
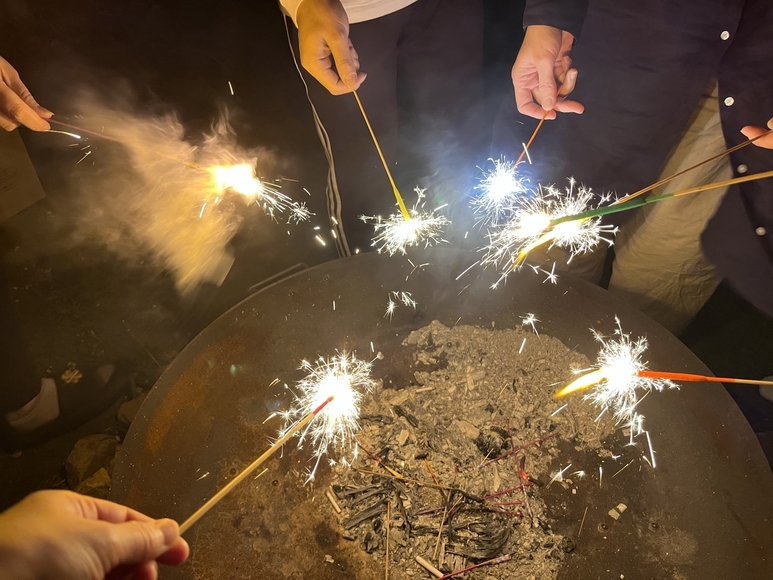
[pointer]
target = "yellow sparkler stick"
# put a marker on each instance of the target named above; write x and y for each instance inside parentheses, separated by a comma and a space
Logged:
(583, 382)
(398, 197)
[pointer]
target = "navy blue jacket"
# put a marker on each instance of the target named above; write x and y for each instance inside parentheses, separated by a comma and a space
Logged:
(643, 67)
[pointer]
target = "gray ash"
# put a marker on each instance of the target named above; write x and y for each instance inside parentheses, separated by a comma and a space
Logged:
(475, 439)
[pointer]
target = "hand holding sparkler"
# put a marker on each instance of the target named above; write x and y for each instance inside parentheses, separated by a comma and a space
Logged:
(543, 61)
(326, 51)
(17, 105)
(761, 137)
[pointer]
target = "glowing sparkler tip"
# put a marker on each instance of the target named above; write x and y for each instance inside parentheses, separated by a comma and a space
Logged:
(395, 234)
(333, 390)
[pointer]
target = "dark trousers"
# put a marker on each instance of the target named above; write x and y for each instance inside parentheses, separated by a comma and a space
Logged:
(423, 96)
(18, 382)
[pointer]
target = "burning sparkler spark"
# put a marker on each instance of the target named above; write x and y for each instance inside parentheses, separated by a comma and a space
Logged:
(529, 227)
(344, 378)
(616, 381)
(404, 297)
(501, 188)
(530, 320)
(299, 213)
(396, 234)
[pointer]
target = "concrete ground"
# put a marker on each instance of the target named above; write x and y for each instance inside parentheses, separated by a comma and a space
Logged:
(79, 302)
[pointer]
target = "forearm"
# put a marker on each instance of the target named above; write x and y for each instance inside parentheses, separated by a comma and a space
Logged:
(567, 15)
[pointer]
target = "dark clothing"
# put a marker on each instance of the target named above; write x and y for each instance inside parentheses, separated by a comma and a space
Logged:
(423, 96)
(643, 67)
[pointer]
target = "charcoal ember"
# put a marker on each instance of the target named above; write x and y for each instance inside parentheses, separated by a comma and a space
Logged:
(371, 542)
(489, 444)
(568, 545)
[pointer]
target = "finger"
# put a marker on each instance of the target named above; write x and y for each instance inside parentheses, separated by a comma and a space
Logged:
(569, 82)
(146, 571)
(770, 124)
(345, 63)
(176, 554)
(524, 100)
(564, 105)
(99, 509)
(20, 112)
(17, 86)
(752, 132)
(7, 124)
(134, 542)
(547, 83)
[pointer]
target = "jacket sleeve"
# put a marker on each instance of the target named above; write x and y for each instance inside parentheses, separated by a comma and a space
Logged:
(566, 15)
(290, 8)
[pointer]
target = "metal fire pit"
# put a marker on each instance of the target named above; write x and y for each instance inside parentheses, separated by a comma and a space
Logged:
(705, 512)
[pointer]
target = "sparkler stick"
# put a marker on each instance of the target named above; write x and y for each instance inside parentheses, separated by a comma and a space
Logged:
(250, 468)
(531, 139)
(680, 173)
(398, 197)
(610, 209)
(126, 143)
(698, 378)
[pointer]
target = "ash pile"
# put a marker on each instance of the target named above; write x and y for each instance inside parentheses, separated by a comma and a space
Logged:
(450, 469)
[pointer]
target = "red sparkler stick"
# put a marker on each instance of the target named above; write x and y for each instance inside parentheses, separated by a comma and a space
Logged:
(687, 377)
(531, 139)
(499, 560)
(250, 468)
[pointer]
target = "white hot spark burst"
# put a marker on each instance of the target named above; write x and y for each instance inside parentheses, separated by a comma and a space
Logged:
(394, 298)
(615, 383)
(395, 234)
(500, 190)
(530, 227)
(299, 213)
(242, 179)
(345, 378)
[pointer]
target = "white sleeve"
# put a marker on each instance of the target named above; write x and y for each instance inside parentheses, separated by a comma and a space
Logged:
(291, 8)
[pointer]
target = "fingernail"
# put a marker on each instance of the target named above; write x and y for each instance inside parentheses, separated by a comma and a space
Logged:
(573, 75)
(547, 104)
(170, 529)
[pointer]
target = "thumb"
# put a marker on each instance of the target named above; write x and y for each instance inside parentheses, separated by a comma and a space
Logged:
(138, 542)
(345, 62)
(547, 83)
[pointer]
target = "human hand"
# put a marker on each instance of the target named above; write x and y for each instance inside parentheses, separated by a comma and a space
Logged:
(17, 107)
(542, 64)
(60, 535)
(323, 37)
(750, 131)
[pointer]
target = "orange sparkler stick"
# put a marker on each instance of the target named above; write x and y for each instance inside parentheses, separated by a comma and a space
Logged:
(698, 378)
(531, 139)
(197, 515)
(126, 143)
(398, 197)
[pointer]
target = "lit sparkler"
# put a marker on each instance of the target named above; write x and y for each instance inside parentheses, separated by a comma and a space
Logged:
(299, 213)
(242, 179)
(396, 233)
(531, 226)
(501, 189)
(618, 378)
(346, 379)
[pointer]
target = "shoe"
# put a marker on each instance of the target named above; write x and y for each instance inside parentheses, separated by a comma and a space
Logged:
(63, 404)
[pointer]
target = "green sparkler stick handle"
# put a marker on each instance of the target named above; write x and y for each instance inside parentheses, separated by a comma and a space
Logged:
(638, 202)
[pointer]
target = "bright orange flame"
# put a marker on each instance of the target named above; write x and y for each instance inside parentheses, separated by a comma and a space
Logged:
(583, 382)
(241, 178)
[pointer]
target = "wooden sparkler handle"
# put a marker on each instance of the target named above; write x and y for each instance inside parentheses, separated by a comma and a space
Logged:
(249, 469)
